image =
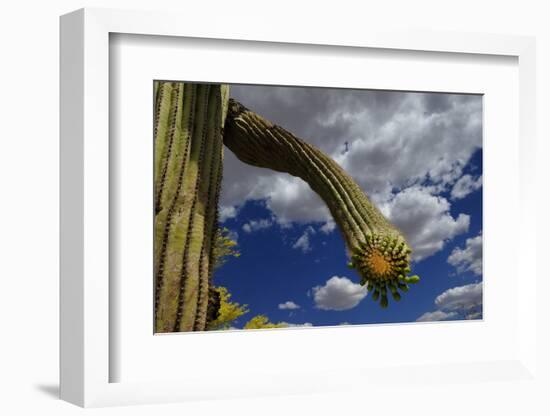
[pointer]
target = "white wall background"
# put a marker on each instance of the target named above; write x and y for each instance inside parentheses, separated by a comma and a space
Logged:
(29, 184)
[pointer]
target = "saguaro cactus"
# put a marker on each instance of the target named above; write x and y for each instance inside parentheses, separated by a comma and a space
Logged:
(189, 135)
(188, 169)
(379, 252)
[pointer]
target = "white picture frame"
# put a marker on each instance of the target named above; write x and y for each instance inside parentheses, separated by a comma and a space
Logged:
(86, 356)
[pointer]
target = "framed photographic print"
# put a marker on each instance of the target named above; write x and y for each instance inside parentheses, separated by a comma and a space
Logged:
(227, 228)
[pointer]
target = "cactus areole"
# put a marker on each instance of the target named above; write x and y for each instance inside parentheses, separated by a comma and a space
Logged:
(192, 122)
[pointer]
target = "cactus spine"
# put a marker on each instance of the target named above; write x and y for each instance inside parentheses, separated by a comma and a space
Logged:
(188, 169)
(379, 252)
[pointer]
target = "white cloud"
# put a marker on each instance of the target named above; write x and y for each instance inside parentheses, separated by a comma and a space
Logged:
(305, 324)
(338, 294)
(411, 143)
(303, 242)
(465, 185)
(474, 315)
(288, 305)
(468, 258)
(229, 328)
(436, 316)
(256, 225)
(227, 213)
(328, 227)
(425, 220)
(461, 302)
(461, 298)
(291, 200)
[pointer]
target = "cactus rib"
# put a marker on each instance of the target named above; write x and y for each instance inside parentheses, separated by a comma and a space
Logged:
(167, 221)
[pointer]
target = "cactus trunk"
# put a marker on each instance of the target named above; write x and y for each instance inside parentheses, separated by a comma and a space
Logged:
(188, 169)
(379, 252)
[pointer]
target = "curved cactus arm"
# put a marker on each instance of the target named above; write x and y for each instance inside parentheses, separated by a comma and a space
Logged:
(378, 250)
(188, 168)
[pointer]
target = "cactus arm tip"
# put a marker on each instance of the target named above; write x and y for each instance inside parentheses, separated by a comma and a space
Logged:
(383, 263)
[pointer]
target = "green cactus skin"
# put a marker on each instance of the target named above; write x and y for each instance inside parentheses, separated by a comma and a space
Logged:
(188, 129)
(378, 250)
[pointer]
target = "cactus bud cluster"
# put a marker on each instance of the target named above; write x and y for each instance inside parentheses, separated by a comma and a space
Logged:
(383, 264)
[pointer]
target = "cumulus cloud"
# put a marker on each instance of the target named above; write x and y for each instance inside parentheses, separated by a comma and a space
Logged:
(436, 316)
(227, 213)
(303, 242)
(256, 225)
(387, 141)
(338, 294)
(288, 305)
(461, 298)
(414, 141)
(328, 227)
(474, 315)
(468, 258)
(425, 220)
(290, 325)
(289, 198)
(465, 186)
(461, 302)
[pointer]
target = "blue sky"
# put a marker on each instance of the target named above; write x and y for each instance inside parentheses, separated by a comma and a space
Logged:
(418, 156)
